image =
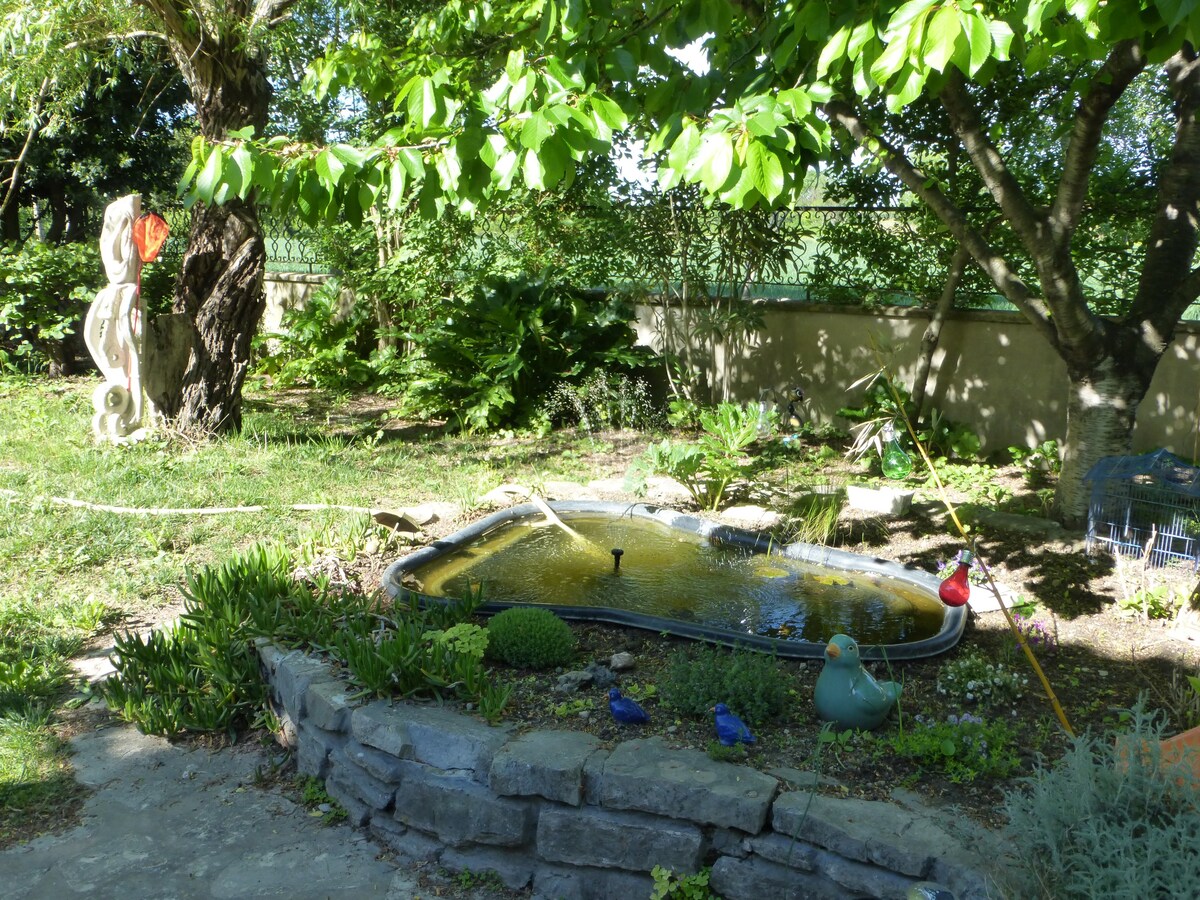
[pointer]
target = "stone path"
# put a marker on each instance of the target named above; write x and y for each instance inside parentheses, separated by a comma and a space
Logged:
(166, 822)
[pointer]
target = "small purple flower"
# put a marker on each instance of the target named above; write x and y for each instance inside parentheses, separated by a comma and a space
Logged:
(1036, 633)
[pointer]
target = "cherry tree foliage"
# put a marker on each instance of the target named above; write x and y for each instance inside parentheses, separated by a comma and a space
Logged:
(484, 97)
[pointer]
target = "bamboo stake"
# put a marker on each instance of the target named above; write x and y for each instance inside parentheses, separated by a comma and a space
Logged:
(971, 545)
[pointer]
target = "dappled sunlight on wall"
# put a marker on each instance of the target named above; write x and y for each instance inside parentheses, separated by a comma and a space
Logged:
(991, 370)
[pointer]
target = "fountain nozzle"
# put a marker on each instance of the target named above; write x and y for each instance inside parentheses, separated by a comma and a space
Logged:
(617, 553)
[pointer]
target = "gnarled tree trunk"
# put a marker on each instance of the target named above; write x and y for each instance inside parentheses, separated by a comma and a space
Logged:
(221, 291)
(1101, 412)
(219, 51)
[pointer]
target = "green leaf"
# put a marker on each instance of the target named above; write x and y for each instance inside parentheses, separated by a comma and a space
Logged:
(820, 92)
(521, 91)
(210, 176)
(943, 31)
(188, 174)
(397, 183)
(329, 167)
(505, 169)
(766, 171)
(796, 102)
(1173, 12)
(555, 163)
(684, 148)
(410, 158)
(422, 102)
(785, 47)
(911, 83)
(531, 171)
(514, 66)
(609, 111)
(833, 51)
(949, 748)
(861, 35)
(620, 65)
(890, 61)
(351, 157)
(717, 151)
(980, 40)
(1002, 37)
(908, 13)
(243, 161)
(535, 131)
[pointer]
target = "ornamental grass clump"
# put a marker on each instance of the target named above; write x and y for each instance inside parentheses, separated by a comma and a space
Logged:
(1109, 819)
(530, 638)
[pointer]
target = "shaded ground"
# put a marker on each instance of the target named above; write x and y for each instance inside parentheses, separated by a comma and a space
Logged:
(163, 821)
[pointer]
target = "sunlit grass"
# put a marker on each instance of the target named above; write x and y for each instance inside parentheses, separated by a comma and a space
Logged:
(67, 569)
(36, 784)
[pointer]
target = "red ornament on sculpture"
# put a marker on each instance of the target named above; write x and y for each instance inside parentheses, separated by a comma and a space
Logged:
(956, 590)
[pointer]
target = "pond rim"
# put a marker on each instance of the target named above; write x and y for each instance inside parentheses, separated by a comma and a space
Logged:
(953, 623)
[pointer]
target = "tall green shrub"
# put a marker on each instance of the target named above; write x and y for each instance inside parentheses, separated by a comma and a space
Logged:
(44, 294)
(324, 344)
(490, 361)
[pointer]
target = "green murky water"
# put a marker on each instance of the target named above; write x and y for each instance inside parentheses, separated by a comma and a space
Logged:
(674, 574)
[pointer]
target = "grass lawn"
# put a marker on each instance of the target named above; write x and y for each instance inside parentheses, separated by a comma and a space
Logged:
(70, 572)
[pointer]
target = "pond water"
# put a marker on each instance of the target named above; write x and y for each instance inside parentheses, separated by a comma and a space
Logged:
(676, 574)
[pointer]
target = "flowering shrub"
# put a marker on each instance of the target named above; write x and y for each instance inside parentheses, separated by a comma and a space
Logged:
(1036, 633)
(972, 679)
(964, 747)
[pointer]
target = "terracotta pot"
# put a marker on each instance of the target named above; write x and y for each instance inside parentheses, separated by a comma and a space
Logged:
(1185, 749)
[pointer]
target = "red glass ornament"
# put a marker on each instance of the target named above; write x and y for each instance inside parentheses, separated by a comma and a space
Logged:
(955, 590)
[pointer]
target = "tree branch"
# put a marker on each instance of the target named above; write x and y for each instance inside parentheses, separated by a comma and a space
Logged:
(268, 13)
(1189, 288)
(1169, 284)
(1026, 221)
(35, 113)
(1124, 63)
(994, 265)
(1049, 250)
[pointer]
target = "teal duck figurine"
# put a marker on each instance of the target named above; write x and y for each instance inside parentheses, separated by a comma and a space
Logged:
(847, 694)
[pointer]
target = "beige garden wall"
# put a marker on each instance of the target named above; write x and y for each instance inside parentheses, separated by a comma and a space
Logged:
(991, 370)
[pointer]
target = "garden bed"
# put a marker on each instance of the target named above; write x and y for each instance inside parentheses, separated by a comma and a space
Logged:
(1098, 658)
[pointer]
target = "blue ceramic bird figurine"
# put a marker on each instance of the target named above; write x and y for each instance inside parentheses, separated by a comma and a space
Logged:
(730, 729)
(626, 711)
(847, 694)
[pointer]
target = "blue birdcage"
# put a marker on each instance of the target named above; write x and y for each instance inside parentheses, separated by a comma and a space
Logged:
(1146, 506)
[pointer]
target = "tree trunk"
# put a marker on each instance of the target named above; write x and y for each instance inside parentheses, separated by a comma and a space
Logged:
(220, 286)
(10, 223)
(221, 291)
(1101, 411)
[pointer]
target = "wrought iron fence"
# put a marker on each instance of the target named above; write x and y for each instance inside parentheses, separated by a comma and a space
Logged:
(291, 245)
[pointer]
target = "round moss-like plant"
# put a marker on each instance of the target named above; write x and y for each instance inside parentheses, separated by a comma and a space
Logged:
(530, 638)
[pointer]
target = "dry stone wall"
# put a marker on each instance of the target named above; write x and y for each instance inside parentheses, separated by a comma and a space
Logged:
(575, 819)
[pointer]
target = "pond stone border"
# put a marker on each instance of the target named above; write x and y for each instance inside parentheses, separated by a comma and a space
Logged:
(577, 820)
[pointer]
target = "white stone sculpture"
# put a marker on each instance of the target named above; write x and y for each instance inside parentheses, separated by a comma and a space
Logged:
(114, 327)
